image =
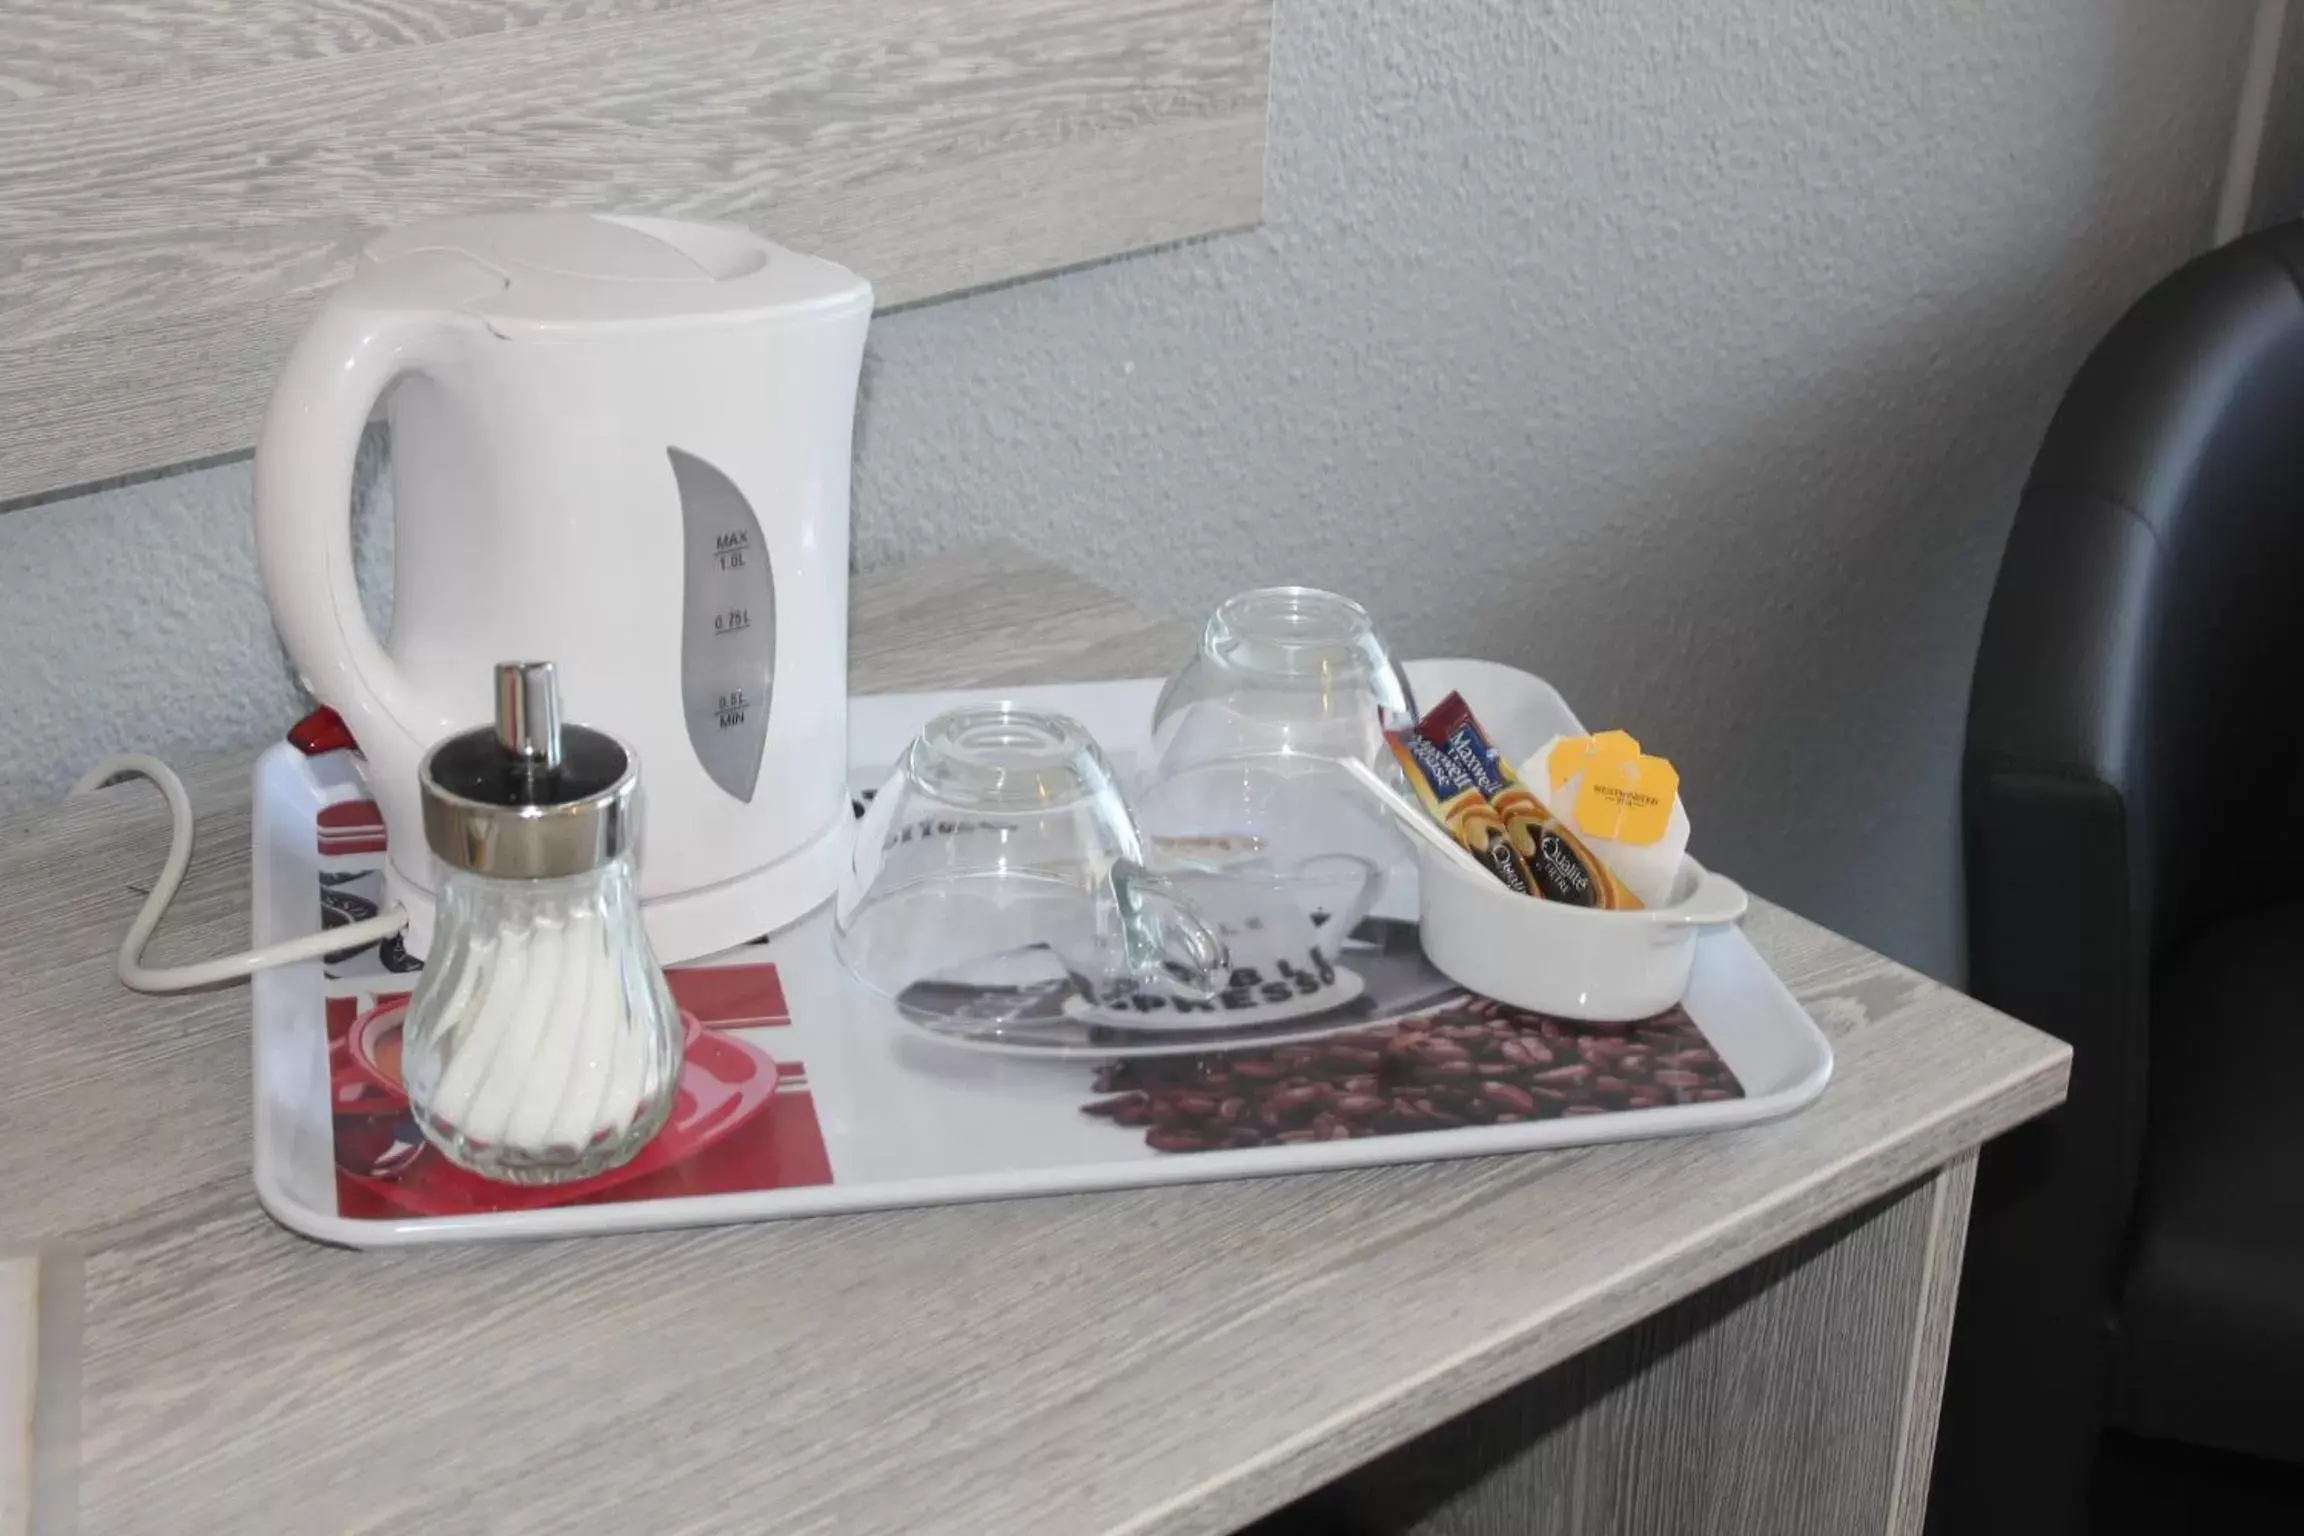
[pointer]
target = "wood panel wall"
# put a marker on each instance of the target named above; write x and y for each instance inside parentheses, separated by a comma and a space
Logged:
(180, 179)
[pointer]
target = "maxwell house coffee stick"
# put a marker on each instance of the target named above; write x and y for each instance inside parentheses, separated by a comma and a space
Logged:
(1456, 802)
(1562, 867)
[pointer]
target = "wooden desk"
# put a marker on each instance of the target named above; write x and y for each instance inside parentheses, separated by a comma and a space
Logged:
(1742, 1332)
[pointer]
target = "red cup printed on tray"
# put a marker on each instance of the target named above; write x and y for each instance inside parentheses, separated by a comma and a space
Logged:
(725, 1083)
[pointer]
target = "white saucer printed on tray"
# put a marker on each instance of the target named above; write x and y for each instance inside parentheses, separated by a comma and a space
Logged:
(804, 1095)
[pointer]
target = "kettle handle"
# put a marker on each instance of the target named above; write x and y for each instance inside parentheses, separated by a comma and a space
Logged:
(359, 344)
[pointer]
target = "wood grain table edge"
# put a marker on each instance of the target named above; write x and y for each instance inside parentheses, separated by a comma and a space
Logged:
(1544, 1339)
(1954, 1189)
(19, 1374)
(40, 1317)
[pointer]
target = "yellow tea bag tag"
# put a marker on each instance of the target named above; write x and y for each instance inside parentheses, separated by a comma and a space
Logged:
(1627, 797)
(1613, 747)
(1571, 755)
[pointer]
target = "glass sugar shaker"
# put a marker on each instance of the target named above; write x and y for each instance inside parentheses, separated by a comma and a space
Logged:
(542, 1044)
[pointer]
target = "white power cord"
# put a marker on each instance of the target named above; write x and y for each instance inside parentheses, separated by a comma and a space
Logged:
(130, 965)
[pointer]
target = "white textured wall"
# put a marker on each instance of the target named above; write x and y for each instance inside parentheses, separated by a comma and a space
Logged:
(2280, 175)
(1688, 354)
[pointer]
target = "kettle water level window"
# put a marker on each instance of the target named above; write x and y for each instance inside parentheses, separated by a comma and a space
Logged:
(728, 635)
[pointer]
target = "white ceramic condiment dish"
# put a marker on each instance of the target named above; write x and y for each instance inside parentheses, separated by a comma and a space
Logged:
(1571, 962)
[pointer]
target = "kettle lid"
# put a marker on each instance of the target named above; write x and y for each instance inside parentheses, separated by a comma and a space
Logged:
(567, 272)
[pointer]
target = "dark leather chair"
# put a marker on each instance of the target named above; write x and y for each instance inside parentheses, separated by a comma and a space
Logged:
(2133, 803)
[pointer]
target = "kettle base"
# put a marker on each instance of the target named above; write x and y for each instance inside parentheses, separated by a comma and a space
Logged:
(688, 925)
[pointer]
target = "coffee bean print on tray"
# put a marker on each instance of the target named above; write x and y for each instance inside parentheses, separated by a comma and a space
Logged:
(1475, 1063)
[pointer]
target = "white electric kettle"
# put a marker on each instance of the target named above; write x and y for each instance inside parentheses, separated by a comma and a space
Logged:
(620, 445)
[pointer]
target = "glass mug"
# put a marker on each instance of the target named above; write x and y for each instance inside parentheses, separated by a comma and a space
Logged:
(999, 872)
(1282, 672)
(1246, 738)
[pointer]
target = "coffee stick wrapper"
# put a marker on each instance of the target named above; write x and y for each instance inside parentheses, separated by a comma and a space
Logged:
(1563, 868)
(1458, 804)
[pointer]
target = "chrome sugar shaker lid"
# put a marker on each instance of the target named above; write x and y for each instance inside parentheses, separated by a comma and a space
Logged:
(529, 798)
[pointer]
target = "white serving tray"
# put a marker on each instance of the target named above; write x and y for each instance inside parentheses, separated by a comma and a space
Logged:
(811, 1097)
